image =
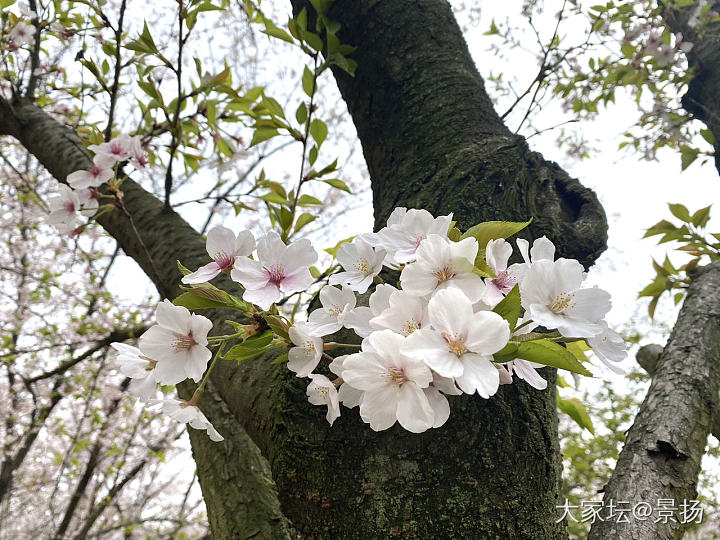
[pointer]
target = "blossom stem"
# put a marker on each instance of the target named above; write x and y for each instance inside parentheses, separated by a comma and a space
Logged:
(536, 335)
(333, 344)
(523, 324)
(198, 392)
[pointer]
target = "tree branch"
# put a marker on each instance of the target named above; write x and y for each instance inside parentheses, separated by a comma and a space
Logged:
(664, 447)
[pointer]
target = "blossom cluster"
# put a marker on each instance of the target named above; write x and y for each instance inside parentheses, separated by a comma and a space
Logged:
(81, 199)
(462, 320)
(169, 352)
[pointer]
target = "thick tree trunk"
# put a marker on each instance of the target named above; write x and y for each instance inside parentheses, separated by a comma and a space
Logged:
(664, 447)
(432, 140)
(701, 99)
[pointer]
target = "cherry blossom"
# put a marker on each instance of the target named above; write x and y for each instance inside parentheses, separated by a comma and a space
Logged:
(93, 177)
(361, 263)
(497, 254)
(185, 413)
(404, 232)
(348, 395)
(392, 384)
(552, 297)
(21, 34)
(359, 318)
(223, 246)
(134, 364)
(405, 314)
(609, 347)
(438, 402)
(66, 207)
(280, 269)
(337, 305)
(118, 149)
(178, 344)
(321, 391)
(460, 343)
(441, 263)
(305, 356)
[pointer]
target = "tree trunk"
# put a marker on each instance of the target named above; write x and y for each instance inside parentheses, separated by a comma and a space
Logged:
(664, 447)
(432, 140)
(701, 99)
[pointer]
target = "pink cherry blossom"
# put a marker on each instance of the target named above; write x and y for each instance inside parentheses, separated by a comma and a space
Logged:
(279, 270)
(224, 247)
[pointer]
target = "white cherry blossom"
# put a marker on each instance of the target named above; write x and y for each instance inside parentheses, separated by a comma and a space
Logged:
(178, 344)
(305, 356)
(404, 232)
(280, 270)
(359, 318)
(68, 206)
(438, 402)
(224, 247)
(361, 263)
(609, 347)
(337, 304)
(21, 34)
(321, 391)
(392, 384)
(552, 297)
(442, 263)
(181, 411)
(348, 396)
(460, 343)
(134, 364)
(405, 314)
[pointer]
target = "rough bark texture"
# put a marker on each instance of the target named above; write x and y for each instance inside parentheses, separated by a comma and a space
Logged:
(166, 238)
(662, 453)
(432, 140)
(701, 99)
(648, 357)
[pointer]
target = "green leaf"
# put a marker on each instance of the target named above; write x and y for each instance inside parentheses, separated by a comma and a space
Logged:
(454, 234)
(251, 347)
(184, 271)
(507, 353)
(708, 136)
(574, 408)
(481, 267)
(205, 296)
(272, 30)
(262, 134)
(273, 197)
(319, 131)
(680, 212)
(493, 29)
(509, 307)
(303, 220)
(301, 114)
(492, 230)
(278, 326)
(338, 184)
(578, 349)
(687, 156)
(308, 81)
(548, 353)
(701, 217)
(306, 200)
